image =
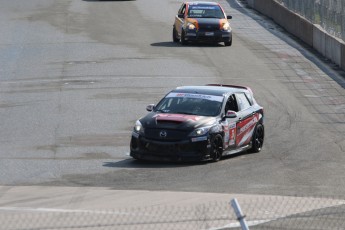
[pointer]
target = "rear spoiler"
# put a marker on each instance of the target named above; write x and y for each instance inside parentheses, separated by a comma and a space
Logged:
(232, 86)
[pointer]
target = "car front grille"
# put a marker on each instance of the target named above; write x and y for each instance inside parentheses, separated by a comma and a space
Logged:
(171, 135)
(165, 149)
(206, 27)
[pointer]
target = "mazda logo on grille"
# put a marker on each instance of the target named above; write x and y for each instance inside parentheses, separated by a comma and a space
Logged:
(163, 133)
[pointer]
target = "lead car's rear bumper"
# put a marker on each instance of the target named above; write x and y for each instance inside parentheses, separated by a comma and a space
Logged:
(185, 150)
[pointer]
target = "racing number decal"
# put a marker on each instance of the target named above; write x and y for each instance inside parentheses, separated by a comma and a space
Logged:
(229, 134)
(232, 133)
(226, 134)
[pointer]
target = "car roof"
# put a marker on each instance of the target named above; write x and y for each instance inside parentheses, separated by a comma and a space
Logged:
(212, 89)
(202, 3)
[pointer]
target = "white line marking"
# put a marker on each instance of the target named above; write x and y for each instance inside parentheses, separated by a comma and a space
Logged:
(57, 210)
(240, 4)
(312, 96)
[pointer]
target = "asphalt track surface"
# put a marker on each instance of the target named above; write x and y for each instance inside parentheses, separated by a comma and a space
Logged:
(76, 74)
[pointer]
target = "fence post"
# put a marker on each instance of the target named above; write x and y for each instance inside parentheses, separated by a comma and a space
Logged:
(240, 217)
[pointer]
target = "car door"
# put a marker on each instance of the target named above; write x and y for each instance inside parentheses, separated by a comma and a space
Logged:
(179, 19)
(247, 120)
(230, 124)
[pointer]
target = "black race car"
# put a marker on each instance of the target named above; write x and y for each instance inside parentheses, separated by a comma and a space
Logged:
(199, 123)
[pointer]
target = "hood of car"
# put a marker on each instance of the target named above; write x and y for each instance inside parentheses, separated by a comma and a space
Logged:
(175, 121)
(207, 23)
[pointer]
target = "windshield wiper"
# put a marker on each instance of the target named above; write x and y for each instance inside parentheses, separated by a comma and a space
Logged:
(187, 113)
(160, 110)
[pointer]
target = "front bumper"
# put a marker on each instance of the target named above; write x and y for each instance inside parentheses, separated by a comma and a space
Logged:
(184, 150)
(213, 36)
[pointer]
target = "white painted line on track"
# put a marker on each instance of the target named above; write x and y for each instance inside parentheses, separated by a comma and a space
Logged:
(238, 3)
(313, 96)
(58, 210)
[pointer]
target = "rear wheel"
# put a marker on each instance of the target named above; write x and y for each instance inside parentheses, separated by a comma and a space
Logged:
(216, 147)
(258, 138)
(174, 35)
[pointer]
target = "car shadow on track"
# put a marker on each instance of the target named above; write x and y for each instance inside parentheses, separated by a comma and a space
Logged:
(194, 44)
(132, 163)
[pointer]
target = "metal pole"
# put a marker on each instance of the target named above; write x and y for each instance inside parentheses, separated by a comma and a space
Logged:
(240, 217)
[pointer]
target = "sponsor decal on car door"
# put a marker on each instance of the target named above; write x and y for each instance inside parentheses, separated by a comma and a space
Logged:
(245, 129)
(229, 134)
(232, 134)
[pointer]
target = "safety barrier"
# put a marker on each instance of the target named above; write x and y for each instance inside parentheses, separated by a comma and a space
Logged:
(298, 24)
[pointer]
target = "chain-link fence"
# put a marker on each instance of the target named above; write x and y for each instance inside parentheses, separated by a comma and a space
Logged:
(260, 213)
(330, 14)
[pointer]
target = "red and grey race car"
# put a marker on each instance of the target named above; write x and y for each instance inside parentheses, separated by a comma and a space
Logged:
(199, 123)
(202, 21)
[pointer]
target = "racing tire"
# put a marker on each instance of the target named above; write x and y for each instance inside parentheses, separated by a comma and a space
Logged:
(258, 138)
(228, 43)
(174, 35)
(216, 148)
(137, 158)
(183, 39)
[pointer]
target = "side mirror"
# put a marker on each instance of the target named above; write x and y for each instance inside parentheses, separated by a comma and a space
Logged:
(229, 17)
(180, 15)
(230, 114)
(150, 107)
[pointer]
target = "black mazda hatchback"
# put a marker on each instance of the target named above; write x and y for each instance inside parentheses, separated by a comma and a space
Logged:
(199, 123)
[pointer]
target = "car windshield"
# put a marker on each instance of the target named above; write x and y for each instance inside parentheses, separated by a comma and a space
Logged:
(205, 11)
(193, 104)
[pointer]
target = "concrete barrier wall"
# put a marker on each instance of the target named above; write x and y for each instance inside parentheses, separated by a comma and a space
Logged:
(327, 13)
(313, 35)
(327, 45)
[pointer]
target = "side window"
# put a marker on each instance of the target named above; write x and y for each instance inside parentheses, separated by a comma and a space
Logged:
(242, 100)
(231, 104)
(182, 9)
(250, 98)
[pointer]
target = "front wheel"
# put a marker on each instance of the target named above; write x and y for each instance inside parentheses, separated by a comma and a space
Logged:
(258, 138)
(228, 43)
(216, 147)
(183, 39)
(174, 35)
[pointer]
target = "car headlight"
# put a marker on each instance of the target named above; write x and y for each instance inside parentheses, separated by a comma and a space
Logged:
(138, 128)
(200, 131)
(226, 26)
(190, 26)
